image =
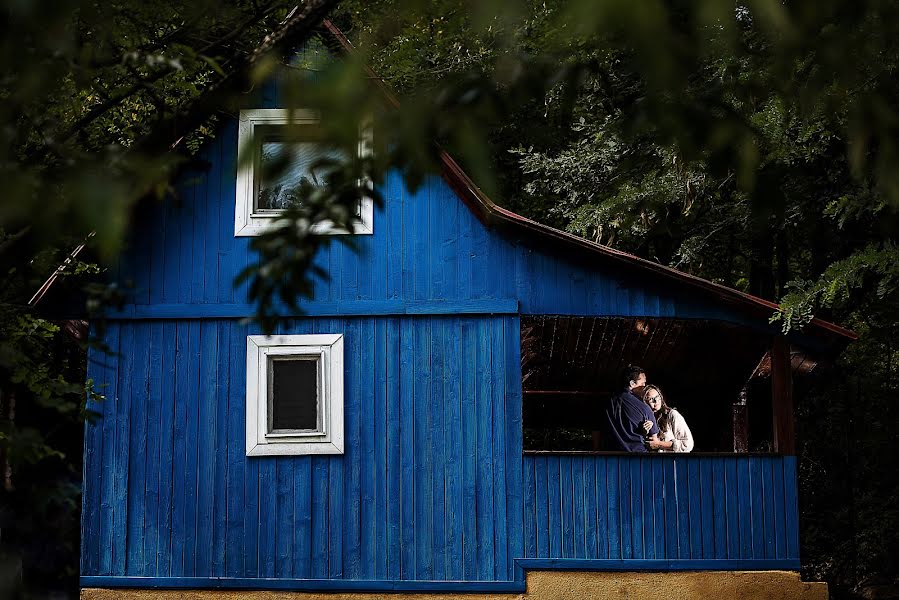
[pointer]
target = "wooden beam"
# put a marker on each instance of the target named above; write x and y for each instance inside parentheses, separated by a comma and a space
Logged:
(309, 308)
(741, 423)
(782, 397)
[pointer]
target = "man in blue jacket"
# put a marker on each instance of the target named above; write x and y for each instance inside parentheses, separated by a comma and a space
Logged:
(624, 414)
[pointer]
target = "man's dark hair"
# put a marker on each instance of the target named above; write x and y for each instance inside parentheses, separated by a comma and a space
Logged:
(630, 373)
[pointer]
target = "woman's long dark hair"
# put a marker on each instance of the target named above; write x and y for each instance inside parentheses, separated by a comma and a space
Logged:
(663, 417)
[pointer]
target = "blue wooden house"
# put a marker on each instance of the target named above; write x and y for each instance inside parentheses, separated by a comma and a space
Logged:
(393, 437)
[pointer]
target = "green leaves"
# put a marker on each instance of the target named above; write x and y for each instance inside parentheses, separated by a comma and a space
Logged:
(869, 276)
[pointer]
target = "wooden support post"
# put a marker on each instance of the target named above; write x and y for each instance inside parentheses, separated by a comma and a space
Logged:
(741, 423)
(782, 396)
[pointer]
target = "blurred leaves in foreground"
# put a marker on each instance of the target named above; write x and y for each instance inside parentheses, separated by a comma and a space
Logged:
(752, 143)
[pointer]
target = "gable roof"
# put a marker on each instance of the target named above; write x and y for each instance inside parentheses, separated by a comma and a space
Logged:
(493, 215)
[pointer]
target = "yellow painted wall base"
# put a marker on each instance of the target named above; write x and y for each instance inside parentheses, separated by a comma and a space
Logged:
(549, 585)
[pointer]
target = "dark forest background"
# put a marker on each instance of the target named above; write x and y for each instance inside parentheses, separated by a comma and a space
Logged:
(753, 144)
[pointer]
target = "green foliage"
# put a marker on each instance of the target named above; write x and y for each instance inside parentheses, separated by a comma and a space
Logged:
(755, 145)
(742, 145)
(869, 276)
(43, 395)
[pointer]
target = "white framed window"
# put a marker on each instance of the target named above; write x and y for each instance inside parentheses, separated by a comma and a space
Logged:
(294, 394)
(293, 138)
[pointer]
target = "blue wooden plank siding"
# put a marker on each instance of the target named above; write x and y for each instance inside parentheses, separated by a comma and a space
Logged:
(433, 486)
(309, 517)
(427, 246)
(636, 512)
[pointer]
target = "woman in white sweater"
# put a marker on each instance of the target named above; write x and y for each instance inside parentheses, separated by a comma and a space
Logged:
(674, 435)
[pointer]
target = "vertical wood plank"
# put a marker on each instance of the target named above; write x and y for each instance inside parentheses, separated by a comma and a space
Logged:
(395, 234)
(579, 521)
(407, 265)
(92, 471)
(554, 504)
(166, 454)
(119, 530)
(757, 507)
(213, 181)
(719, 501)
(237, 464)
(453, 432)
(222, 406)
(497, 362)
(437, 404)
(469, 379)
(567, 493)
(186, 239)
(485, 513)
(695, 503)
(590, 497)
(205, 444)
(381, 266)
(684, 521)
(266, 511)
(303, 533)
(421, 266)
(480, 268)
(320, 512)
(744, 510)
(372, 431)
(641, 498)
(603, 493)
(352, 460)
(791, 506)
(338, 473)
(192, 428)
(395, 469)
(137, 455)
(626, 506)
(768, 504)
(732, 506)
(106, 427)
(707, 507)
(658, 508)
(530, 508)
(227, 199)
(407, 455)
(446, 215)
(671, 508)
(381, 463)
(614, 505)
(512, 413)
(423, 445)
(252, 558)
(284, 516)
(151, 531)
(542, 510)
(777, 477)
(336, 250)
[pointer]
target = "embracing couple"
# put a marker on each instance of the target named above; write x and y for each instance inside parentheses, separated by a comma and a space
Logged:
(637, 419)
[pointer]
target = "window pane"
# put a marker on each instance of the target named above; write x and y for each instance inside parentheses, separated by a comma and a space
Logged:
(284, 165)
(294, 394)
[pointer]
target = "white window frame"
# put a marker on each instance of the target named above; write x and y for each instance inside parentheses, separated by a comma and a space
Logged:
(247, 221)
(327, 349)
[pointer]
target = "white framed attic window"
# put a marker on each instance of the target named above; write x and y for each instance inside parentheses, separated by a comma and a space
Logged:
(294, 394)
(293, 138)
